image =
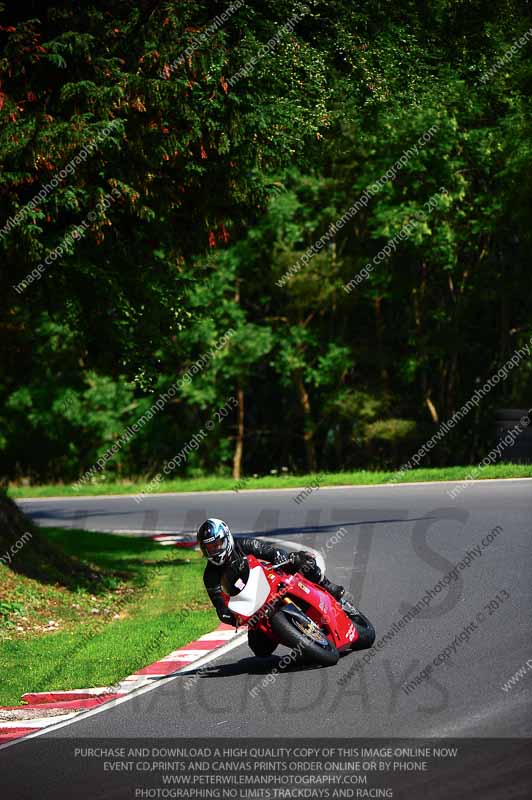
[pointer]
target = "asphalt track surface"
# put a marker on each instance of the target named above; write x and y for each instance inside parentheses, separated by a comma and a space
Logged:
(390, 546)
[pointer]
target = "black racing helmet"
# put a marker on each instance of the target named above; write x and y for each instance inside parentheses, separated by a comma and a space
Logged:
(216, 541)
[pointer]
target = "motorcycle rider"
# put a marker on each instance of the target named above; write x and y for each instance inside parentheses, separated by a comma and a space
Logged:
(223, 553)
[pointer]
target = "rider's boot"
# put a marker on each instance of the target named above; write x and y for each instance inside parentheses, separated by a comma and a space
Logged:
(335, 589)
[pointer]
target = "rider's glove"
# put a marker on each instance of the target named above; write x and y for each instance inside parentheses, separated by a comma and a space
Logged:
(227, 616)
(294, 558)
(302, 561)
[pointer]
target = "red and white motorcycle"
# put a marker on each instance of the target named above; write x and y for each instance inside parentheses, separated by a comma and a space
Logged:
(291, 610)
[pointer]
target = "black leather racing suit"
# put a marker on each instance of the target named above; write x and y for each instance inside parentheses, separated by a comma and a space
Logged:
(212, 578)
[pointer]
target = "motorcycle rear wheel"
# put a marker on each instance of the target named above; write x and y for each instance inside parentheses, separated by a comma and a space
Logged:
(284, 626)
(365, 630)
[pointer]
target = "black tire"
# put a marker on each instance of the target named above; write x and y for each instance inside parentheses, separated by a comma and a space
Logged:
(366, 631)
(260, 644)
(284, 626)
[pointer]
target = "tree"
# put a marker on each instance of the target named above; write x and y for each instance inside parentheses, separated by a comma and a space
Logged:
(222, 183)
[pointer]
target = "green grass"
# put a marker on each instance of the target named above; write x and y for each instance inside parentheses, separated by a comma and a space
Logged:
(356, 478)
(145, 601)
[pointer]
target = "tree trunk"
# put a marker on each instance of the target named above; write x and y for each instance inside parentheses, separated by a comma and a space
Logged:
(308, 424)
(379, 330)
(432, 409)
(239, 447)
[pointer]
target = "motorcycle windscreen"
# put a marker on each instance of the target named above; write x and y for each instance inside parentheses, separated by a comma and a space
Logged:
(253, 595)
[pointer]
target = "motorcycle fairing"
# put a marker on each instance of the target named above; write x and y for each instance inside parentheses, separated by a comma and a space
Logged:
(253, 595)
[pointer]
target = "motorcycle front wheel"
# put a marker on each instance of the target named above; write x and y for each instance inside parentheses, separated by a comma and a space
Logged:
(305, 637)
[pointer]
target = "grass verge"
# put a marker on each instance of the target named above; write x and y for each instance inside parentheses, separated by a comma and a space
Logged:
(136, 602)
(355, 478)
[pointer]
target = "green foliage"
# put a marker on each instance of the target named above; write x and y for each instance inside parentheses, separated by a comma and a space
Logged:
(222, 188)
(142, 602)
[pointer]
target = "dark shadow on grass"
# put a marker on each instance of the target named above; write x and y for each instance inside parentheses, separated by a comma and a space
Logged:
(174, 562)
(74, 559)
